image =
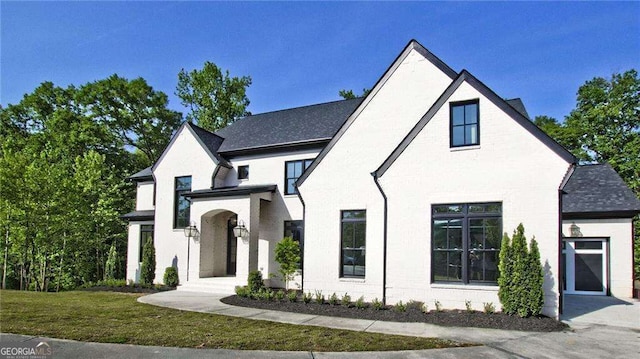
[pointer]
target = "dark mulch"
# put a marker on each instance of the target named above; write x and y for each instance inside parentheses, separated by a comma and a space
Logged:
(449, 318)
(127, 289)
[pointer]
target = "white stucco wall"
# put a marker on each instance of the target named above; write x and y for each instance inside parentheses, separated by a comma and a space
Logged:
(185, 157)
(342, 180)
(509, 166)
(144, 196)
(620, 234)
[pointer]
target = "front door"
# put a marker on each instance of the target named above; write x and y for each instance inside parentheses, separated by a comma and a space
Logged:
(232, 247)
(585, 266)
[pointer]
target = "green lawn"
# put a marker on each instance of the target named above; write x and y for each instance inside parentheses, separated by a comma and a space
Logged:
(118, 318)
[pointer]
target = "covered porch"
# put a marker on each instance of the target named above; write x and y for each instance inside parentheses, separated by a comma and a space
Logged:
(219, 260)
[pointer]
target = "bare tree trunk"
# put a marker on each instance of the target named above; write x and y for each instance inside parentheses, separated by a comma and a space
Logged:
(6, 255)
(64, 244)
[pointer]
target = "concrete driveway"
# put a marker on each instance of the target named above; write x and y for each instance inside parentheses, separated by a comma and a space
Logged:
(592, 309)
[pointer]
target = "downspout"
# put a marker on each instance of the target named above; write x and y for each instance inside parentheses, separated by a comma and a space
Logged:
(560, 272)
(384, 240)
(561, 239)
(304, 212)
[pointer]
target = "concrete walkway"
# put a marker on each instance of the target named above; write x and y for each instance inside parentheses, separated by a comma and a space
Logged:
(585, 340)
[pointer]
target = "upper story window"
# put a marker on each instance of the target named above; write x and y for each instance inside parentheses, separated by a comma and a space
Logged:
(353, 238)
(243, 172)
(466, 240)
(182, 206)
(293, 170)
(465, 123)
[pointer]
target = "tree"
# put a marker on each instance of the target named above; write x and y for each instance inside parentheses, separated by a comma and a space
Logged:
(110, 266)
(288, 256)
(605, 127)
(133, 112)
(148, 266)
(348, 94)
(520, 284)
(214, 98)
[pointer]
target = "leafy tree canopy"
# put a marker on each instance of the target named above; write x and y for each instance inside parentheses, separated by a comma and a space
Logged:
(214, 98)
(348, 94)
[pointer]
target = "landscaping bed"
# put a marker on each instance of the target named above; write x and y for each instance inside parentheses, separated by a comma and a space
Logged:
(450, 318)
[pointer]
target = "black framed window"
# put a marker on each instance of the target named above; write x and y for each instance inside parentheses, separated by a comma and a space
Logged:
(295, 230)
(182, 206)
(243, 172)
(465, 123)
(466, 240)
(353, 238)
(146, 233)
(293, 170)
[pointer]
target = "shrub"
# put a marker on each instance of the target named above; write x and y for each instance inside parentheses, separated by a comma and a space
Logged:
(467, 305)
(269, 294)
(438, 305)
(489, 308)
(521, 275)
(110, 283)
(319, 297)
(425, 308)
(280, 295)
(171, 277)
(288, 256)
(148, 267)
(110, 266)
(306, 297)
(360, 304)
(333, 299)
(243, 291)
(254, 281)
(400, 307)
(346, 300)
(414, 305)
(377, 304)
(292, 296)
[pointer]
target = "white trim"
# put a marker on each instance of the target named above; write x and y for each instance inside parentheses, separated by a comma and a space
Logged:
(570, 264)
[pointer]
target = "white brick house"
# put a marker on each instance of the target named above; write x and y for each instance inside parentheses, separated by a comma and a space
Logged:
(401, 195)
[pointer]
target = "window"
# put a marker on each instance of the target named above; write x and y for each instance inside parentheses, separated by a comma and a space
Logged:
(352, 258)
(466, 241)
(243, 172)
(465, 123)
(146, 233)
(294, 229)
(293, 170)
(182, 206)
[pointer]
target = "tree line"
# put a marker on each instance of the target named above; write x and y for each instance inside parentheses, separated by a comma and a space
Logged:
(65, 154)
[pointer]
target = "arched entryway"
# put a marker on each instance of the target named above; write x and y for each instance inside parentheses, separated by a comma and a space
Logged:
(218, 245)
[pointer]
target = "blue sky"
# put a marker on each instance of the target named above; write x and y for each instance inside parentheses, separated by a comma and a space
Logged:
(304, 53)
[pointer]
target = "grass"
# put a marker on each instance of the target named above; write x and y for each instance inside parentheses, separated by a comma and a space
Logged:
(109, 317)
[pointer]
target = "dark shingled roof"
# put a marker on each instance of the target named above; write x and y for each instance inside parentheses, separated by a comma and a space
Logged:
(594, 190)
(517, 104)
(211, 141)
(231, 191)
(144, 175)
(314, 123)
(139, 215)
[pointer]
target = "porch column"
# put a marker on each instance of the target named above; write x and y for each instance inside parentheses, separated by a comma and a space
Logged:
(254, 231)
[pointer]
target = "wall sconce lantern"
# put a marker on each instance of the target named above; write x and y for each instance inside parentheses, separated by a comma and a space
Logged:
(240, 230)
(575, 230)
(190, 231)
